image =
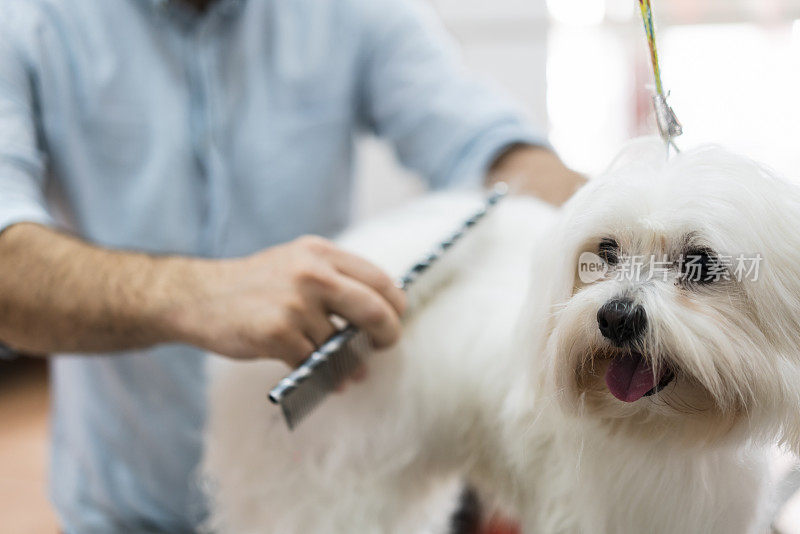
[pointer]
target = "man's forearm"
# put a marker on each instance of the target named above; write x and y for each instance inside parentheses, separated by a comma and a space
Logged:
(59, 294)
(536, 171)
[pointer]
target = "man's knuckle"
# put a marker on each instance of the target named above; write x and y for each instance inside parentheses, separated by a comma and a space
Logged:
(280, 329)
(315, 244)
(388, 286)
(314, 277)
(374, 315)
(306, 274)
(294, 309)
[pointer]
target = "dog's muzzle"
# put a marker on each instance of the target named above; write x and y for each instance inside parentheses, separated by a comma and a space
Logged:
(621, 321)
(630, 375)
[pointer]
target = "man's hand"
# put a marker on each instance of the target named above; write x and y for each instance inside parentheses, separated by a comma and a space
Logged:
(60, 294)
(277, 304)
(536, 171)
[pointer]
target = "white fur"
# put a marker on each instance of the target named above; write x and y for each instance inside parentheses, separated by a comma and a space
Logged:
(496, 378)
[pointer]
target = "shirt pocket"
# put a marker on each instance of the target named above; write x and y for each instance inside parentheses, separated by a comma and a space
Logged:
(117, 139)
(305, 122)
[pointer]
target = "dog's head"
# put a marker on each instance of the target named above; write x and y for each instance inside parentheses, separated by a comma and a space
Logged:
(673, 298)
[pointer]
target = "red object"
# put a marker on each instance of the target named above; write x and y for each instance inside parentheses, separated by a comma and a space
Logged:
(498, 525)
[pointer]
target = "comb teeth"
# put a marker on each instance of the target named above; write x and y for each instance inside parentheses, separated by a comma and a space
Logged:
(324, 371)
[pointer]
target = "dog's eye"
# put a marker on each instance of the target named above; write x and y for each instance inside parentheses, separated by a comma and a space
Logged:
(700, 266)
(608, 250)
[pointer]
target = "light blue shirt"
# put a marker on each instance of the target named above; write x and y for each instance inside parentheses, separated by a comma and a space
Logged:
(139, 125)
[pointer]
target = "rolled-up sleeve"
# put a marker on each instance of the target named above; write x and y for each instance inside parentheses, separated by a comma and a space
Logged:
(21, 160)
(443, 122)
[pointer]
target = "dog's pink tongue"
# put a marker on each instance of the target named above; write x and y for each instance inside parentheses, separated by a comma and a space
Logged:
(629, 377)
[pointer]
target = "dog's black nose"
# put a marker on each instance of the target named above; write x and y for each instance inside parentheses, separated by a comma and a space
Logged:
(621, 320)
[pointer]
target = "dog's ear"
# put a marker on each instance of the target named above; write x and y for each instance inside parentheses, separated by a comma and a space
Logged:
(777, 293)
(768, 221)
(773, 229)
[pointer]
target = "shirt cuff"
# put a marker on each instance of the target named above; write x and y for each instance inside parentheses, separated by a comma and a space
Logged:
(477, 156)
(21, 196)
(29, 213)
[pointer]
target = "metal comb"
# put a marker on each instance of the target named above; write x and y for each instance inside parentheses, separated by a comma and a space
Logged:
(338, 357)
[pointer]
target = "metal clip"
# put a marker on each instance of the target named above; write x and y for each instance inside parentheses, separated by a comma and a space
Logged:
(668, 125)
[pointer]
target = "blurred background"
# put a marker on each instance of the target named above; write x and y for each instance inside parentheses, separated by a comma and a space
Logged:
(580, 68)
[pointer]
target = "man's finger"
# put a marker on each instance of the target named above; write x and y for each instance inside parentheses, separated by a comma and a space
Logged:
(291, 346)
(317, 327)
(371, 275)
(364, 307)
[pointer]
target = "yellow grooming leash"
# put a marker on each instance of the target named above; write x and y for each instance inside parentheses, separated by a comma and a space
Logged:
(668, 125)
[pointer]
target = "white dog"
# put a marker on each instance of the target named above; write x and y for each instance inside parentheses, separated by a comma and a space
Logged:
(629, 390)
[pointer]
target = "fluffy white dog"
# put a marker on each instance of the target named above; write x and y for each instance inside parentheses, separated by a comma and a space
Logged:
(618, 366)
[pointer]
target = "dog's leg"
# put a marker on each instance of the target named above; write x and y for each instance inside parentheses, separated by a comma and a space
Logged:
(357, 464)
